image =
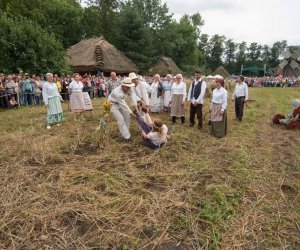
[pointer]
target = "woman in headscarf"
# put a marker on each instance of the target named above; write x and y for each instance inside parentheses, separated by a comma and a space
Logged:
(178, 98)
(76, 95)
(156, 93)
(167, 85)
(52, 100)
(218, 109)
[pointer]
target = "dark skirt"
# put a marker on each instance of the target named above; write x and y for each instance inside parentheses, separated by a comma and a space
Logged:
(219, 128)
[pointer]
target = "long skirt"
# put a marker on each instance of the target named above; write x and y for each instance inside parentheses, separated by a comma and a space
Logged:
(177, 108)
(77, 102)
(87, 101)
(219, 122)
(167, 98)
(54, 111)
(155, 103)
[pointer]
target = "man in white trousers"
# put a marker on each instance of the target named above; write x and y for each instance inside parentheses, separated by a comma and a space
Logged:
(120, 109)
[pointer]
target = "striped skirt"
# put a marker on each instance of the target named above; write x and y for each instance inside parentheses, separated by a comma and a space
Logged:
(177, 108)
(77, 102)
(87, 101)
(54, 111)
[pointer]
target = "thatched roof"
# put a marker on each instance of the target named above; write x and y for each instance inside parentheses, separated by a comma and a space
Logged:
(89, 55)
(221, 71)
(164, 66)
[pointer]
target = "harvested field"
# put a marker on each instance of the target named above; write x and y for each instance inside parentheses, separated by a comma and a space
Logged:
(77, 188)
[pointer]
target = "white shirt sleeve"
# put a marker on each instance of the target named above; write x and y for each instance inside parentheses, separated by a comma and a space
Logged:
(246, 92)
(224, 102)
(44, 93)
(144, 93)
(201, 96)
(233, 94)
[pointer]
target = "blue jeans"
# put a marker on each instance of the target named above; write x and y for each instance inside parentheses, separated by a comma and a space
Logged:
(21, 98)
(27, 98)
(37, 100)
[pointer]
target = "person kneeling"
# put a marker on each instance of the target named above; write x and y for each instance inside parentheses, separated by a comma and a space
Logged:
(154, 133)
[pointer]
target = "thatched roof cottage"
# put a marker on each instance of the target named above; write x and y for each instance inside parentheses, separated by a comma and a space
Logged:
(91, 55)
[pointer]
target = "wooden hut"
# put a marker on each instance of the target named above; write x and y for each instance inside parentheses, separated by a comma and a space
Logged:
(96, 54)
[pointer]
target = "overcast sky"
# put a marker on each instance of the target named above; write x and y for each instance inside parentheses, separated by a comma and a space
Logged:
(262, 21)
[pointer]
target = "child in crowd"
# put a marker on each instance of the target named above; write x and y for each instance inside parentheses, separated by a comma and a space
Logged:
(13, 103)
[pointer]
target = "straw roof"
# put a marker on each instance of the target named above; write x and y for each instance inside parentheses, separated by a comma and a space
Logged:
(90, 55)
(221, 71)
(164, 66)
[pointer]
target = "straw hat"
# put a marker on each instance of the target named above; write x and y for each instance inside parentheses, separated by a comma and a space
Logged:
(128, 82)
(133, 76)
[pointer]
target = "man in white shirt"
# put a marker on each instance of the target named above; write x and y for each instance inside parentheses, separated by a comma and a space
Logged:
(120, 109)
(240, 96)
(140, 91)
(196, 98)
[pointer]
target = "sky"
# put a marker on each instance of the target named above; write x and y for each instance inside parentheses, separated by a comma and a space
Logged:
(261, 21)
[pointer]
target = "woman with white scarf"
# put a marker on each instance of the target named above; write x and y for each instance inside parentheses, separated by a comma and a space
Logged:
(156, 93)
(178, 98)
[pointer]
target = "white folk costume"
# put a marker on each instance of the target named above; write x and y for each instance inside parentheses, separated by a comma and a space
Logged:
(155, 99)
(52, 98)
(167, 85)
(178, 96)
(120, 109)
(219, 104)
(76, 97)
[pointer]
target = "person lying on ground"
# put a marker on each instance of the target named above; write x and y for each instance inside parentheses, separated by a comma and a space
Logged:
(154, 133)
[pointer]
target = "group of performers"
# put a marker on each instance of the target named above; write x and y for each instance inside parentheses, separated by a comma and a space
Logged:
(154, 131)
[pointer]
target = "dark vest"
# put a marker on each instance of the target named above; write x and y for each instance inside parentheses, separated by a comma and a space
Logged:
(196, 89)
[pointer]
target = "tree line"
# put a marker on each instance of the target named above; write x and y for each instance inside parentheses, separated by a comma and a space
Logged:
(35, 33)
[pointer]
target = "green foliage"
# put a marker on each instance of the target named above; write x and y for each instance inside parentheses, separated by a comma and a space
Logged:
(26, 46)
(60, 17)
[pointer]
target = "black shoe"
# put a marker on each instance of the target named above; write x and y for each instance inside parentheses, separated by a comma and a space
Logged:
(199, 126)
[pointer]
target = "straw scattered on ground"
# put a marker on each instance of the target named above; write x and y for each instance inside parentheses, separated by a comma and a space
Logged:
(77, 188)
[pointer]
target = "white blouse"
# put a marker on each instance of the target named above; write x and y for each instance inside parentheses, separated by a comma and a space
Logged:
(155, 136)
(219, 96)
(179, 89)
(76, 86)
(50, 90)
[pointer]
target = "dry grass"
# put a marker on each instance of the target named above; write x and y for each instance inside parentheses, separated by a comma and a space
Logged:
(68, 189)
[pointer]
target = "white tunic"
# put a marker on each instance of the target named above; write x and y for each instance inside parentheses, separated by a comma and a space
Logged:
(49, 91)
(155, 101)
(179, 89)
(75, 86)
(219, 96)
(141, 92)
(117, 97)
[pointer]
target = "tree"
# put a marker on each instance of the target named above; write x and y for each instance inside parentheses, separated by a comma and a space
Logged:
(26, 46)
(277, 49)
(254, 52)
(230, 50)
(59, 17)
(104, 20)
(241, 56)
(216, 51)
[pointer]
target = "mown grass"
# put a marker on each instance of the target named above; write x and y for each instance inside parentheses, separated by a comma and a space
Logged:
(76, 187)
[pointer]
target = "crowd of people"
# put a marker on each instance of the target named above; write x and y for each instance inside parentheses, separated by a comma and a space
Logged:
(148, 97)
(271, 81)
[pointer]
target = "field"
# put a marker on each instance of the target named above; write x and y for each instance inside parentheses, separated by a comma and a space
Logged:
(78, 188)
